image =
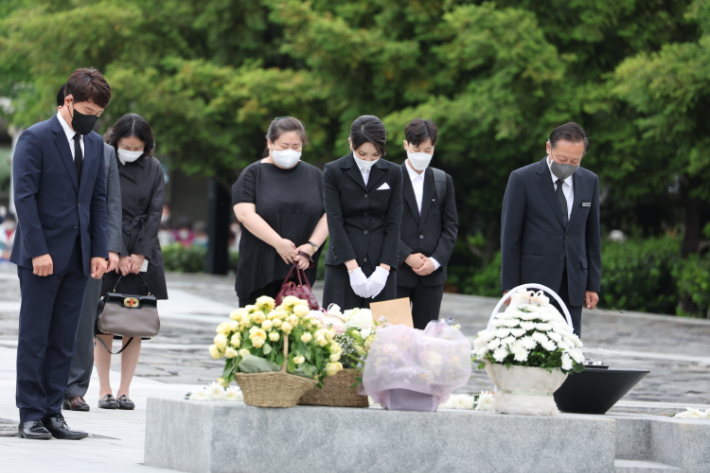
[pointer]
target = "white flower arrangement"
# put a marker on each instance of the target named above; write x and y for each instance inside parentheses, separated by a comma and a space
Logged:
(483, 401)
(215, 392)
(531, 332)
(691, 413)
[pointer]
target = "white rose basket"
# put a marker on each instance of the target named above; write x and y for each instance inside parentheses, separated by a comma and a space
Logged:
(526, 390)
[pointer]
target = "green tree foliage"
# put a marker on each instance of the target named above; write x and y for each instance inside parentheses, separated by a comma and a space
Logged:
(496, 76)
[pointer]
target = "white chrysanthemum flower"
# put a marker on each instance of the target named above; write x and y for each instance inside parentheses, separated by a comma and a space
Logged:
(528, 342)
(527, 326)
(577, 341)
(576, 355)
(359, 319)
(233, 394)
(507, 341)
(215, 392)
(500, 354)
(549, 345)
(539, 337)
(512, 323)
(543, 327)
(479, 343)
(528, 315)
(486, 335)
(691, 413)
(200, 394)
(502, 332)
(481, 352)
(518, 332)
(485, 402)
(566, 362)
(554, 336)
(499, 322)
(493, 344)
(564, 345)
(521, 354)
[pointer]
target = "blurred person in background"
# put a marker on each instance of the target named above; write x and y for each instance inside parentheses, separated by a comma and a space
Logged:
(201, 237)
(7, 236)
(182, 233)
(142, 193)
(279, 202)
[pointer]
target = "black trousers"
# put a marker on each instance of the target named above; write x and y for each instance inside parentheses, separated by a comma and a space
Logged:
(426, 302)
(83, 362)
(272, 290)
(49, 317)
(575, 311)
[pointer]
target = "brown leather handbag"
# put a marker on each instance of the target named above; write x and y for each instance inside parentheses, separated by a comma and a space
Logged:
(300, 290)
(128, 315)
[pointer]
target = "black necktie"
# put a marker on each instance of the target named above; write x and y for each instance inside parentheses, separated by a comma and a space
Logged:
(78, 156)
(563, 202)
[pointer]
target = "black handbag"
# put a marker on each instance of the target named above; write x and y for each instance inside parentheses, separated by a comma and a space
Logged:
(127, 315)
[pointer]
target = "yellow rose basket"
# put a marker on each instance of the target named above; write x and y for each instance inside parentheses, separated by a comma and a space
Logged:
(274, 389)
(338, 391)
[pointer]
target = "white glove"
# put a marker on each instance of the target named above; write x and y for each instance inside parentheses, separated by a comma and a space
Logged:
(377, 281)
(359, 283)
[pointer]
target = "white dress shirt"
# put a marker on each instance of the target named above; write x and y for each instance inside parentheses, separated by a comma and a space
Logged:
(418, 186)
(567, 188)
(364, 171)
(70, 135)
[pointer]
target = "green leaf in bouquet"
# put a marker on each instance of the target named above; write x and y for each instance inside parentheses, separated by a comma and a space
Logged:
(309, 355)
(301, 347)
(267, 348)
(256, 364)
(291, 366)
(280, 359)
(319, 359)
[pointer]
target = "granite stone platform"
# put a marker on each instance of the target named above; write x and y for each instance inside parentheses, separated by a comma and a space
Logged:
(232, 437)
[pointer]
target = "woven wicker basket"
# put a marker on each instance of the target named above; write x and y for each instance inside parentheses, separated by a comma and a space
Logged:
(337, 392)
(275, 389)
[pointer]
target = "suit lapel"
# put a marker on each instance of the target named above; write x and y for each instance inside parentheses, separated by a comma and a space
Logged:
(544, 181)
(408, 192)
(354, 171)
(578, 193)
(60, 140)
(427, 194)
(378, 173)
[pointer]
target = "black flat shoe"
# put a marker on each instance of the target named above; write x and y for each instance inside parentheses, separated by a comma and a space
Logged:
(108, 402)
(34, 430)
(125, 403)
(59, 429)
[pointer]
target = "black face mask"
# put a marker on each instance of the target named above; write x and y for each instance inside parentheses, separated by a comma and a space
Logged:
(82, 124)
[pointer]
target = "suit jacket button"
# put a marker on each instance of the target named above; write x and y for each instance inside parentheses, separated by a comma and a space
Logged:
(365, 232)
(365, 260)
(78, 203)
(366, 196)
(562, 258)
(421, 237)
(75, 226)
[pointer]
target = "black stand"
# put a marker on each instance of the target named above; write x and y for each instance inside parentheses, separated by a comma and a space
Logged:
(220, 206)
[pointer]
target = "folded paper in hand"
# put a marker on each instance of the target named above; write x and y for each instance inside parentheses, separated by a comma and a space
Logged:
(383, 187)
(397, 312)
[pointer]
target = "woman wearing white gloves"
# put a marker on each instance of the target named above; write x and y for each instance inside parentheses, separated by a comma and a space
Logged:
(363, 202)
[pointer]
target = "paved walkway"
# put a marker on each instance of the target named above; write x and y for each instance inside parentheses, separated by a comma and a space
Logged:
(674, 349)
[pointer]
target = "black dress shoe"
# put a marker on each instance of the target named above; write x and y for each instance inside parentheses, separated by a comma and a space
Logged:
(33, 429)
(108, 402)
(76, 403)
(125, 403)
(59, 429)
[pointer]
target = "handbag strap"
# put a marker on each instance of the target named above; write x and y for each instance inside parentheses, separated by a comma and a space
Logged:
(139, 277)
(119, 351)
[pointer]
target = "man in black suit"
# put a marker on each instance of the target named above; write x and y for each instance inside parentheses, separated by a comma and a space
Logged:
(60, 196)
(550, 231)
(429, 225)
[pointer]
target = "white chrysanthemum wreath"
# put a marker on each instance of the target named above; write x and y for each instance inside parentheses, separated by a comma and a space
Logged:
(532, 333)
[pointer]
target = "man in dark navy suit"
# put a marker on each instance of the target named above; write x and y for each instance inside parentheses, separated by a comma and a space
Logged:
(429, 224)
(550, 231)
(61, 239)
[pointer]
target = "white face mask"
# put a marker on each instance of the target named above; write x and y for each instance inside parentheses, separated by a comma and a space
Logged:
(126, 156)
(419, 161)
(364, 164)
(287, 158)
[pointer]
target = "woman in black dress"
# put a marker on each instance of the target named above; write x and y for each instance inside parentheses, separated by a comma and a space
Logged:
(279, 202)
(142, 193)
(363, 201)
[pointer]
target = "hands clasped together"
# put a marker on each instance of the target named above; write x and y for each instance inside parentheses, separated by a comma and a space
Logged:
(420, 264)
(368, 287)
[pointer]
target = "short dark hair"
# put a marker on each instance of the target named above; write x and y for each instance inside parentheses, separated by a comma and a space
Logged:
(129, 125)
(60, 95)
(369, 129)
(88, 85)
(282, 125)
(571, 132)
(418, 131)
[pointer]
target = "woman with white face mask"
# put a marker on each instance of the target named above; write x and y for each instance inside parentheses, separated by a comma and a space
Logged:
(363, 201)
(279, 202)
(142, 192)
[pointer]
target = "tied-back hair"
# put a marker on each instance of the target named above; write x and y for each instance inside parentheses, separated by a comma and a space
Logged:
(129, 125)
(369, 129)
(282, 125)
(571, 132)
